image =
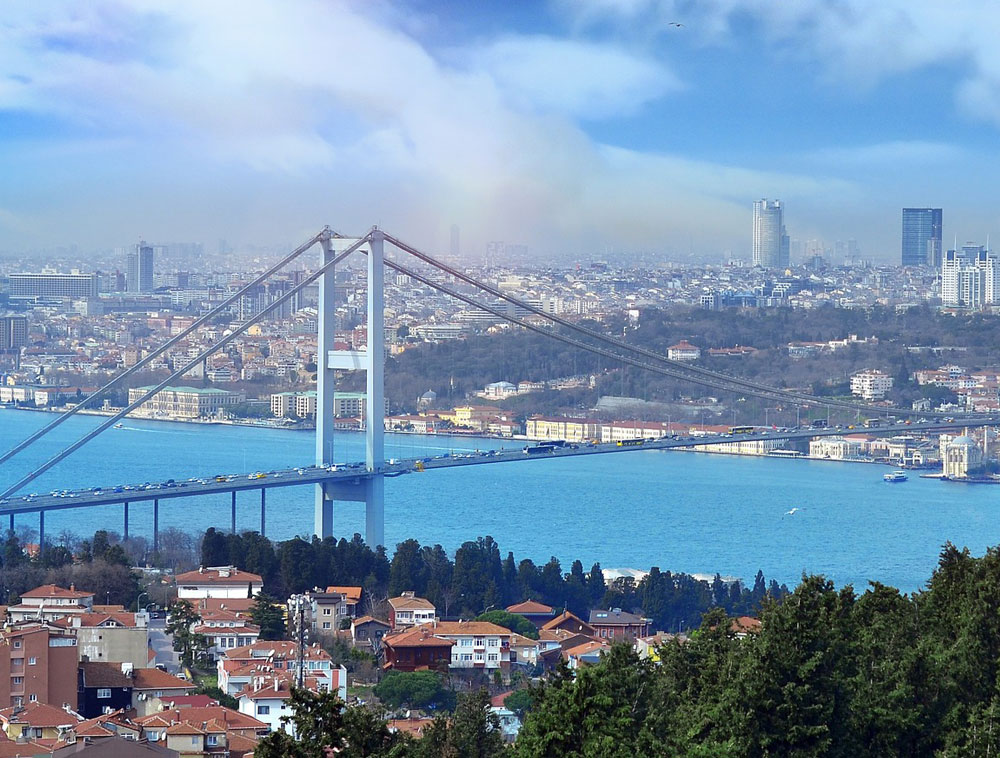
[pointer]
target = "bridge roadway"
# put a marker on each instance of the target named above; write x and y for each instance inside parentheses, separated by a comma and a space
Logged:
(355, 472)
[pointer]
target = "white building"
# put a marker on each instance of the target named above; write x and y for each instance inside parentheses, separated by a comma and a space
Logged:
(871, 384)
(218, 581)
(960, 457)
(478, 644)
(265, 698)
(970, 278)
(683, 351)
(408, 610)
(836, 448)
(770, 241)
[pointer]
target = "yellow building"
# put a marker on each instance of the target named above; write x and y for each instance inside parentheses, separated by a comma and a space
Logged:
(558, 428)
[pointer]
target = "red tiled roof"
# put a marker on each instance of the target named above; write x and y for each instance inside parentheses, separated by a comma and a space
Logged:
(218, 576)
(39, 715)
(154, 679)
(530, 607)
(52, 590)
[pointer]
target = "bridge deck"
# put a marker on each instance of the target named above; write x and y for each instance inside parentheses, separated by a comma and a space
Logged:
(120, 494)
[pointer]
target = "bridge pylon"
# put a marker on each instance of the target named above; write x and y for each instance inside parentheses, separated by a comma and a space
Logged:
(368, 488)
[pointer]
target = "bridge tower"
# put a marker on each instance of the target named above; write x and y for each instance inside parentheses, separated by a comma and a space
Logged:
(370, 488)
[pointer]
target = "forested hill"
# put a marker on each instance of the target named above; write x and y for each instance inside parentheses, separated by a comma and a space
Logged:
(831, 673)
(455, 368)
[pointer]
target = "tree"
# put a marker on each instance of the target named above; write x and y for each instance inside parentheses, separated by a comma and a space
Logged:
(520, 701)
(473, 732)
(214, 548)
(418, 689)
(512, 621)
(192, 647)
(267, 615)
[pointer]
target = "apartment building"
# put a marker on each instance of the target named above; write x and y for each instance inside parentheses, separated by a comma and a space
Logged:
(38, 662)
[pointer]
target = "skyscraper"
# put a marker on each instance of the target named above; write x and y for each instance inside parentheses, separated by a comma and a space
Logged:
(139, 266)
(770, 241)
(922, 236)
(970, 277)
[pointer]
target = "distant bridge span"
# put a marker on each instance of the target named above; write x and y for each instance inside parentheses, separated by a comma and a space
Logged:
(342, 480)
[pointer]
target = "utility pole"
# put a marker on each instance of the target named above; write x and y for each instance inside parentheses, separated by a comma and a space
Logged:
(298, 605)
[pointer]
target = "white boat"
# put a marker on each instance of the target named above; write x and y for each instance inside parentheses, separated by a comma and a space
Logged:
(895, 476)
(119, 426)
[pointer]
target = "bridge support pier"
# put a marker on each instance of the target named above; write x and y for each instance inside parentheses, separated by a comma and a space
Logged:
(233, 514)
(263, 511)
(371, 360)
(41, 530)
(156, 525)
(126, 521)
(12, 522)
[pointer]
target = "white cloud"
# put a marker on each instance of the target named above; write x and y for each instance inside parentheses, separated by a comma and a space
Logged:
(580, 79)
(895, 153)
(339, 112)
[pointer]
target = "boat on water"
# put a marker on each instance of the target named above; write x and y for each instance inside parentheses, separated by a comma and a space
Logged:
(895, 476)
(119, 426)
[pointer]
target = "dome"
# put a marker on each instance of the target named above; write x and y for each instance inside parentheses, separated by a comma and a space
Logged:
(963, 440)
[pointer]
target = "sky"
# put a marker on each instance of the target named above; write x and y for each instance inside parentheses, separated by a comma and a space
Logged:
(576, 127)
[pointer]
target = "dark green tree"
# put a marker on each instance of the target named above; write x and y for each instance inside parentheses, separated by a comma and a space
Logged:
(424, 690)
(266, 614)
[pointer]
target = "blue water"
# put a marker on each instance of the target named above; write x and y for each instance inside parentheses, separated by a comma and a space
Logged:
(681, 511)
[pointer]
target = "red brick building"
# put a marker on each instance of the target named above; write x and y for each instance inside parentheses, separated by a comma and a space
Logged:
(38, 663)
(416, 649)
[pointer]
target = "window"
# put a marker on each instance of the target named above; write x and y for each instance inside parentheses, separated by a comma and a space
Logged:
(17, 644)
(32, 661)
(326, 611)
(492, 656)
(479, 656)
(17, 680)
(34, 698)
(492, 642)
(263, 710)
(466, 656)
(103, 693)
(479, 641)
(17, 700)
(326, 624)
(17, 662)
(466, 642)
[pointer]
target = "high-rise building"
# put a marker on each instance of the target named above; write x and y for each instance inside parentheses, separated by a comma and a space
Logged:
(139, 265)
(770, 241)
(13, 332)
(49, 283)
(922, 237)
(970, 277)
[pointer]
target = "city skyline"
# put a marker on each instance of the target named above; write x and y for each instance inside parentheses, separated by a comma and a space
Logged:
(572, 128)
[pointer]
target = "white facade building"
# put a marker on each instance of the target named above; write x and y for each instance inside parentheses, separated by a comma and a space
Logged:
(871, 384)
(218, 581)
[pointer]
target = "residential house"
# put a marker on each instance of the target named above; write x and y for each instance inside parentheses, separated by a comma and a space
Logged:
(570, 623)
(368, 632)
(103, 687)
(416, 649)
(352, 598)
(51, 603)
(37, 721)
(537, 613)
(226, 630)
(218, 582)
(152, 687)
(116, 636)
(408, 610)
(111, 746)
(237, 667)
(478, 644)
(38, 663)
(616, 624)
(587, 654)
(266, 697)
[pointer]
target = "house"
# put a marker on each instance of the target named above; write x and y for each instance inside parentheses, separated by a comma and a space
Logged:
(478, 644)
(408, 610)
(416, 649)
(510, 724)
(352, 598)
(587, 654)
(218, 582)
(237, 667)
(151, 687)
(570, 623)
(537, 613)
(524, 650)
(103, 687)
(112, 636)
(367, 631)
(110, 746)
(616, 624)
(51, 603)
(215, 719)
(226, 630)
(743, 626)
(328, 609)
(38, 663)
(265, 698)
(648, 647)
(37, 721)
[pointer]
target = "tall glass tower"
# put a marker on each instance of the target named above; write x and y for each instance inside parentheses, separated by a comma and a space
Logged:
(922, 236)
(770, 242)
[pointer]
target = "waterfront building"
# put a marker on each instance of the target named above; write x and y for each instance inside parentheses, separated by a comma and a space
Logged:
(870, 384)
(770, 241)
(921, 237)
(961, 458)
(561, 428)
(186, 402)
(303, 404)
(50, 283)
(836, 448)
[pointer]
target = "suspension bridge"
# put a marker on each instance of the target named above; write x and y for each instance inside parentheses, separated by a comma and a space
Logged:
(364, 481)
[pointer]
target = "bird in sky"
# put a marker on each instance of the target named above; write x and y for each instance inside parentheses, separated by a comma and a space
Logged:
(675, 23)
(791, 512)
